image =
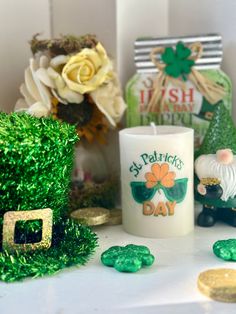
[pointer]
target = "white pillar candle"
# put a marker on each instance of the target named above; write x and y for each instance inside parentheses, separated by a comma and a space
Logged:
(157, 180)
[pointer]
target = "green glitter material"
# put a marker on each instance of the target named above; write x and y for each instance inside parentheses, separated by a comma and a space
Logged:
(221, 133)
(225, 249)
(36, 164)
(129, 258)
(72, 245)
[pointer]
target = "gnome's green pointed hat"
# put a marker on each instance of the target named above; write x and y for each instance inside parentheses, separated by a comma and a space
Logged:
(36, 159)
(221, 133)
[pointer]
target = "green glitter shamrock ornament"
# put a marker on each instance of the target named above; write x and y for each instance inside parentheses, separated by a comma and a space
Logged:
(225, 249)
(129, 258)
(177, 62)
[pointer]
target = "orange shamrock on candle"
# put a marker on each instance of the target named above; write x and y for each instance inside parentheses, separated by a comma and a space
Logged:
(160, 175)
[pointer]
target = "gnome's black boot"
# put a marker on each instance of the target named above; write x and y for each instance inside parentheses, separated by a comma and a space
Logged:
(228, 215)
(207, 217)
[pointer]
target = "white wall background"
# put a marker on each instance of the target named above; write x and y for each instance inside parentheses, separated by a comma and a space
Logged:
(81, 17)
(137, 18)
(18, 21)
(116, 22)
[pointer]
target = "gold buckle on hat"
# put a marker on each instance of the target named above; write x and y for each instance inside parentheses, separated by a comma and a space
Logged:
(9, 223)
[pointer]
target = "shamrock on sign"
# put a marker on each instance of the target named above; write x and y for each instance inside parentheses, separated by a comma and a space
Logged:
(177, 62)
(129, 258)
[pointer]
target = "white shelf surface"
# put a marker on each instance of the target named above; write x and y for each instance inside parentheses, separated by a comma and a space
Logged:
(169, 286)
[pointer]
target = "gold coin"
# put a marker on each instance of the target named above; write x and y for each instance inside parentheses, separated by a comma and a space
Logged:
(218, 284)
(115, 217)
(91, 216)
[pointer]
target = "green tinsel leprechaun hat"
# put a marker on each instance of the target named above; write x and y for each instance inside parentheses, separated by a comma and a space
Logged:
(221, 133)
(36, 163)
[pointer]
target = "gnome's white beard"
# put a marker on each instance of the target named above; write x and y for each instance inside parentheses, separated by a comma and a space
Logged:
(206, 166)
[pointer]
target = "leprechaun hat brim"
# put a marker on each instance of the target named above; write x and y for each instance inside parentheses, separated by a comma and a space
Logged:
(72, 244)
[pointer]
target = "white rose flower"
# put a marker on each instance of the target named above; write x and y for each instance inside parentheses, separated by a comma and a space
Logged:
(109, 100)
(37, 96)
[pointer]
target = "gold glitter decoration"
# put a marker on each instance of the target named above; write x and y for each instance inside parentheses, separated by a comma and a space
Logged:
(9, 223)
(91, 216)
(218, 284)
(210, 181)
(115, 217)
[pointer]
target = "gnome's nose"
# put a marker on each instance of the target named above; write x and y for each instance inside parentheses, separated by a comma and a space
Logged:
(224, 156)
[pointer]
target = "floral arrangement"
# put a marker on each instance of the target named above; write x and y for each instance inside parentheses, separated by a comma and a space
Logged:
(73, 79)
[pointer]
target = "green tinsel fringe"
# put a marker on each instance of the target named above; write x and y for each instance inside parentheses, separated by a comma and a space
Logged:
(36, 163)
(73, 246)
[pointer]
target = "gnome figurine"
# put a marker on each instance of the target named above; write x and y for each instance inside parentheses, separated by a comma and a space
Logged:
(215, 171)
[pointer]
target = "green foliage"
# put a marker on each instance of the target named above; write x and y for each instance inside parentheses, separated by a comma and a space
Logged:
(36, 163)
(72, 245)
(129, 258)
(225, 249)
(177, 62)
(221, 133)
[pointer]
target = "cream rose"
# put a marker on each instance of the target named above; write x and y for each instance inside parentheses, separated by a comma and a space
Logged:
(36, 96)
(109, 100)
(51, 77)
(87, 70)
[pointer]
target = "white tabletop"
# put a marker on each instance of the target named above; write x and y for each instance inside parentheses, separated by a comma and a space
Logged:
(169, 286)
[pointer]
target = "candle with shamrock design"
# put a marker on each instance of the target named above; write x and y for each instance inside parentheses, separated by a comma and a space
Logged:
(157, 180)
